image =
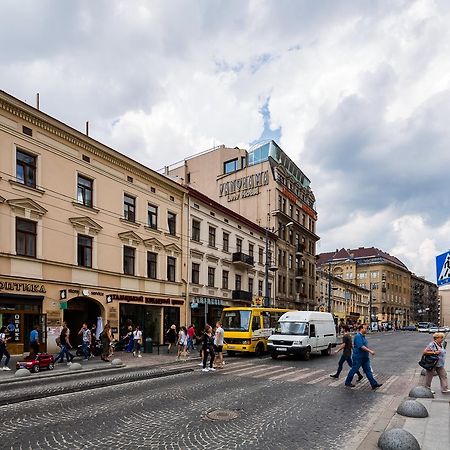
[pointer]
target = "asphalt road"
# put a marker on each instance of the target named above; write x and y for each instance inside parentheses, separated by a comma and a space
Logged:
(250, 404)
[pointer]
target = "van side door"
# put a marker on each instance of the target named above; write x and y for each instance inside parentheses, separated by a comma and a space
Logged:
(312, 336)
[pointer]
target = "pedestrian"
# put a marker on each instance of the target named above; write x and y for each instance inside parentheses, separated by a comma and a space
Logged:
(171, 337)
(208, 349)
(182, 343)
(11, 329)
(93, 338)
(85, 332)
(191, 337)
(218, 345)
(4, 338)
(106, 339)
(34, 340)
(137, 340)
(436, 347)
(346, 348)
(361, 358)
(64, 345)
(129, 337)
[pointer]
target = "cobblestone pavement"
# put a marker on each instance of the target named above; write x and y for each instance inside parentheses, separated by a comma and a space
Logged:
(282, 404)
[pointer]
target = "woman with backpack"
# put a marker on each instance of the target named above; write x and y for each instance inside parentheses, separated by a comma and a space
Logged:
(64, 345)
(208, 349)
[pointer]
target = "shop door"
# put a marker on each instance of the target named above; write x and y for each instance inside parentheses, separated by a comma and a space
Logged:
(29, 322)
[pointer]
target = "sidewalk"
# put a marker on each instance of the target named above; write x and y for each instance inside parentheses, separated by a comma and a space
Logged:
(148, 361)
(432, 432)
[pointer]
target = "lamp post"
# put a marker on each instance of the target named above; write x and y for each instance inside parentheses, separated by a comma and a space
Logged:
(266, 265)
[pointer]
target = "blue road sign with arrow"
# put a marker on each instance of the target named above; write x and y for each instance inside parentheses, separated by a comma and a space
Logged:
(443, 268)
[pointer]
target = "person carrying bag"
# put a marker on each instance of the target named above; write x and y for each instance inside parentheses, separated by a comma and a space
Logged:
(433, 360)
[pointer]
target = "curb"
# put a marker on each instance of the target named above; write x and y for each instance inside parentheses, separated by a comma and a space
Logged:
(129, 377)
(385, 419)
(49, 375)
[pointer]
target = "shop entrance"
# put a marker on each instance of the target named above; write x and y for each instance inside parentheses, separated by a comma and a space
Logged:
(147, 317)
(81, 310)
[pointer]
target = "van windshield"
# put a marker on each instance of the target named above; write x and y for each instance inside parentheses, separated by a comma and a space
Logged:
(292, 328)
(236, 320)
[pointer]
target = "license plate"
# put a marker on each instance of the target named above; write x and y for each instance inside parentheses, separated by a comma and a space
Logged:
(22, 366)
(230, 346)
(281, 349)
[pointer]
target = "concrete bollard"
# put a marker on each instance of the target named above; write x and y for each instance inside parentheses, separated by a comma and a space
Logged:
(398, 439)
(421, 392)
(412, 408)
(20, 373)
(75, 366)
(116, 362)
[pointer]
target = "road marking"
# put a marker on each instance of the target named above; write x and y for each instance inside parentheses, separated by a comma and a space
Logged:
(274, 371)
(388, 383)
(337, 382)
(306, 375)
(234, 369)
(244, 371)
(318, 380)
(288, 374)
(289, 370)
(362, 384)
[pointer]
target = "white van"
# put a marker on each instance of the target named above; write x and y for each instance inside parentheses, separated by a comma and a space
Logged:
(303, 332)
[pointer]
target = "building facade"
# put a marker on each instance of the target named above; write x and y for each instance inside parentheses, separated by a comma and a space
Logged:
(348, 302)
(225, 259)
(386, 277)
(265, 186)
(86, 234)
(424, 300)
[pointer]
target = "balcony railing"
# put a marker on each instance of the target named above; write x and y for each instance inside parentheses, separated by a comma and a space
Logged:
(299, 273)
(299, 249)
(243, 259)
(241, 295)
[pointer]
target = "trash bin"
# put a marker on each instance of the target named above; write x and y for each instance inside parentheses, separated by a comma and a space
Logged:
(148, 345)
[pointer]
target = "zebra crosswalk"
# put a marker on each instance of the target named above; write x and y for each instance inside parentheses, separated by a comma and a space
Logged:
(305, 375)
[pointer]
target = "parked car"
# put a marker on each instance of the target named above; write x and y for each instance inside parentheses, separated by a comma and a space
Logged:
(433, 328)
(422, 327)
(409, 328)
(35, 363)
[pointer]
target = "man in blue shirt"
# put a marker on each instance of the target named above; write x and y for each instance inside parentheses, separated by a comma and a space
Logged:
(361, 353)
(34, 340)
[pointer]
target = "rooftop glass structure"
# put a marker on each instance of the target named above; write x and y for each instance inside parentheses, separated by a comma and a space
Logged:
(263, 151)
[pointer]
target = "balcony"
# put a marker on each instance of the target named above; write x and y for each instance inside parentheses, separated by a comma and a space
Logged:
(299, 249)
(241, 295)
(299, 273)
(241, 259)
(300, 297)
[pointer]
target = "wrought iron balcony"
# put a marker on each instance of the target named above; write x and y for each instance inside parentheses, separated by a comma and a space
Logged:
(300, 249)
(299, 273)
(242, 259)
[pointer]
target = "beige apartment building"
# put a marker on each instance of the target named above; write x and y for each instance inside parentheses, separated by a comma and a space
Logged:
(265, 186)
(385, 276)
(424, 300)
(86, 234)
(444, 305)
(348, 302)
(225, 259)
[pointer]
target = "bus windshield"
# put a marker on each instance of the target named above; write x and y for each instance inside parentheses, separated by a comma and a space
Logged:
(236, 320)
(297, 328)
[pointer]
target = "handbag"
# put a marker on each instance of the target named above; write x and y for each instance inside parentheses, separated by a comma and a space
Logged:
(428, 362)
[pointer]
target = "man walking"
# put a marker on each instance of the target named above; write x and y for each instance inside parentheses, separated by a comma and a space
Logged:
(361, 358)
(218, 345)
(65, 345)
(34, 340)
(346, 348)
(86, 332)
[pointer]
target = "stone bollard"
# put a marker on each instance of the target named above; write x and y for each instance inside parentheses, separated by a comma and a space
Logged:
(20, 373)
(75, 366)
(421, 392)
(398, 439)
(412, 408)
(116, 362)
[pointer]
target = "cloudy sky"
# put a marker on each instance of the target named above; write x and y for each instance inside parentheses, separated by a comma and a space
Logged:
(356, 92)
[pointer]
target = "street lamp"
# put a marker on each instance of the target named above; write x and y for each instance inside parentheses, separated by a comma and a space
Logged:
(266, 266)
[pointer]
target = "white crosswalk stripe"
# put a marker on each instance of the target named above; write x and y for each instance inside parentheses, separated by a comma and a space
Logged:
(288, 374)
(306, 375)
(318, 380)
(245, 371)
(272, 372)
(386, 385)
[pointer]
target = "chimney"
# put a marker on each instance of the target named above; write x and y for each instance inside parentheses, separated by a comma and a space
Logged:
(37, 100)
(87, 128)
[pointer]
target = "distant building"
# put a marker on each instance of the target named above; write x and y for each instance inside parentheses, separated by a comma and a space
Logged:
(444, 305)
(348, 302)
(385, 276)
(265, 186)
(424, 300)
